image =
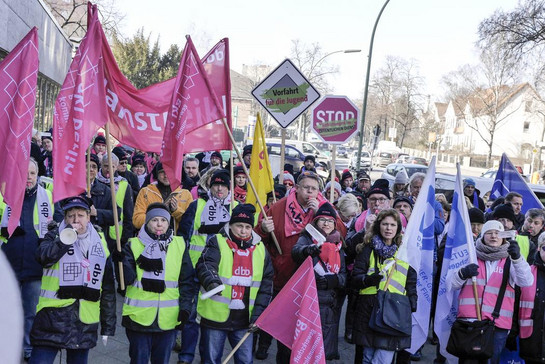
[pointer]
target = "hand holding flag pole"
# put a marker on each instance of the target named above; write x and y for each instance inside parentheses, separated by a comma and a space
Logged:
(476, 295)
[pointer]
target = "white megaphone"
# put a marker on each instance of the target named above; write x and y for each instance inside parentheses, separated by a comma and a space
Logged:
(68, 235)
(212, 292)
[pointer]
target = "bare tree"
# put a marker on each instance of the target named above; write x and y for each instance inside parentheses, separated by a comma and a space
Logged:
(72, 16)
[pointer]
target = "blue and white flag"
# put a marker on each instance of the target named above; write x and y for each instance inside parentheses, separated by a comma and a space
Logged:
(418, 250)
(508, 180)
(459, 251)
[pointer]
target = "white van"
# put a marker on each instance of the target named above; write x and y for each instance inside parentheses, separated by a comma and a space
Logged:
(305, 147)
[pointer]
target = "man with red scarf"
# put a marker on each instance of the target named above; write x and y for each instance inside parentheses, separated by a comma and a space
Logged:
(290, 215)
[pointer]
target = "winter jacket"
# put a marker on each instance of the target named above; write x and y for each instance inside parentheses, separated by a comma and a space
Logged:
(362, 334)
(151, 194)
(102, 201)
(22, 244)
(186, 287)
(60, 327)
(533, 347)
(328, 297)
(126, 225)
(207, 273)
(132, 178)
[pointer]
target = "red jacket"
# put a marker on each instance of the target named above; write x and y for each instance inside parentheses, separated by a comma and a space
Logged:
(284, 266)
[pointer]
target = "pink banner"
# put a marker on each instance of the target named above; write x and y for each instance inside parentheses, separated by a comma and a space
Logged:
(138, 117)
(80, 110)
(18, 78)
(194, 104)
(293, 317)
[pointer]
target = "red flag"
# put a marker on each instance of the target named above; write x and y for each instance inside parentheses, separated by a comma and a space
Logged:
(138, 117)
(193, 104)
(293, 317)
(18, 79)
(80, 110)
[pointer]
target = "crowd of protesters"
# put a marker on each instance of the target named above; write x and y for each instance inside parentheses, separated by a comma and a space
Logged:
(200, 260)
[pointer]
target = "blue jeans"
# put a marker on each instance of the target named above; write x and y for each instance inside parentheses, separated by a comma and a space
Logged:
(156, 346)
(190, 336)
(377, 356)
(214, 341)
(30, 292)
(47, 354)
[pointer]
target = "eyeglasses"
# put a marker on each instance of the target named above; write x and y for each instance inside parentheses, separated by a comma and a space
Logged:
(122, 162)
(326, 221)
(381, 200)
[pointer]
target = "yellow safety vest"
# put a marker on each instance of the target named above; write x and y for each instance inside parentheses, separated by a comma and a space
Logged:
(216, 308)
(119, 199)
(142, 306)
(398, 276)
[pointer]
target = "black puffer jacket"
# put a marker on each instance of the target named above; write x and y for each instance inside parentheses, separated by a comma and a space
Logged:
(60, 327)
(207, 273)
(132, 178)
(363, 335)
(533, 348)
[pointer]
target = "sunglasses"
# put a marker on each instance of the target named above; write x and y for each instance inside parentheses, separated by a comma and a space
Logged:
(123, 162)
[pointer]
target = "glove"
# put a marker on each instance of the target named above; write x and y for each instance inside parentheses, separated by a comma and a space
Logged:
(253, 328)
(183, 316)
(470, 270)
(117, 256)
(52, 225)
(513, 249)
(313, 250)
(372, 280)
(211, 286)
(104, 340)
(321, 282)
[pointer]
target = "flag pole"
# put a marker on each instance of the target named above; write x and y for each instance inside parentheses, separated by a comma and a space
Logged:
(114, 204)
(224, 120)
(236, 347)
(282, 157)
(476, 296)
(89, 171)
(232, 183)
(332, 181)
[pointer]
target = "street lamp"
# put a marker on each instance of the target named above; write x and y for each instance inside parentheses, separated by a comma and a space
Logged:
(366, 89)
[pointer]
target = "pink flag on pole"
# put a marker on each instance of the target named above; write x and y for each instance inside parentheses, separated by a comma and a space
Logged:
(293, 317)
(193, 105)
(80, 110)
(138, 117)
(18, 79)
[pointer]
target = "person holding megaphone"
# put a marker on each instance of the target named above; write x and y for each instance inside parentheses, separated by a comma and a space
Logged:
(77, 288)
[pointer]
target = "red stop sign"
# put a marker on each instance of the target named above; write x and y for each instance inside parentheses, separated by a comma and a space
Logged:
(335, 119)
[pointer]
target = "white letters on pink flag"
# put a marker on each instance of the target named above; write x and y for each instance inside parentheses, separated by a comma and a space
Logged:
(193, 105)
(18, 78)
(80, 110)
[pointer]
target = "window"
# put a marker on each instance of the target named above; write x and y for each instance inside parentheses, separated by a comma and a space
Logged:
(526, 127)
(292, 152)
(528, 106)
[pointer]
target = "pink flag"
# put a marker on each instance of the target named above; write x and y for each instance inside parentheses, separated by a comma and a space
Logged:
(138, 117)
(293, 317)
(80, 110)
(193, 105)
(18, 78)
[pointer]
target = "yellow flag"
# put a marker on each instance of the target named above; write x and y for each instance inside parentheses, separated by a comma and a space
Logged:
(260, 167)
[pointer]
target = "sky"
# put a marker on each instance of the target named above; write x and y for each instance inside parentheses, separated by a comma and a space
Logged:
(439, 34)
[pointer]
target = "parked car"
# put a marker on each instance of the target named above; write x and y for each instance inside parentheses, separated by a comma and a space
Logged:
(382, 159)
(417, 160)
(393, 169)
(342, 151)
(491, 173)
(304, 147)
(292, 156)
(364, 163)
(402, 158)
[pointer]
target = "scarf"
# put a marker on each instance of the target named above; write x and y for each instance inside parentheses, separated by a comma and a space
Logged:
(106, 181)
(382, 250)
(81, 269)
(295, 218)
(240, 194)
(42, 208)
(329, 255)
(216, 211)
(490, 253)
(152, 259)
(241, 275)
(141, 179)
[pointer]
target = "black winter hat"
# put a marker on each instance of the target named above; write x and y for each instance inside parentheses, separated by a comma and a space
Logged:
(216, 154)
(139, 159)
(220, 177)
(100, 139)
(326, 210)
(238, 170)
(120, 153)
(363, 175)
(504, 211)
(346, 174)
(247, 150)
(48, 135)
(243, 212)
(310, 157)
(289, 168)
(95, 159)
(476, 215)
(403, 199)
(380, 186)
(158, 167)
(279, 191)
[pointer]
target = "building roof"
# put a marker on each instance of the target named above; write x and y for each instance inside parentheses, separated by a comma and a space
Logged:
(241, 86)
